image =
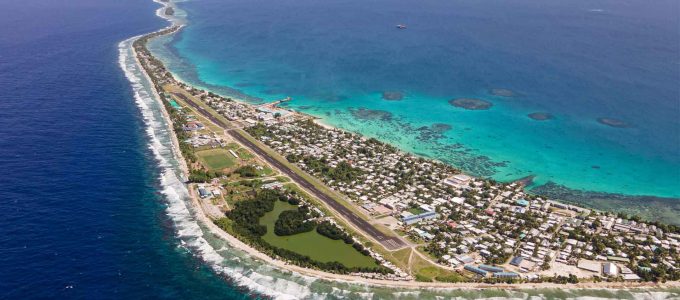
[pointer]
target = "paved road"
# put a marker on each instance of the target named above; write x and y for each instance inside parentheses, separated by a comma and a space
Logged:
(389, 242)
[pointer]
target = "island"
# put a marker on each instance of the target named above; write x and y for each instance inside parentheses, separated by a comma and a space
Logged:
(329, 203)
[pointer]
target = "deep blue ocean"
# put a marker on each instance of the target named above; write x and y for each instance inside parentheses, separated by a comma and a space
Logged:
(90, 202)
(80, 212)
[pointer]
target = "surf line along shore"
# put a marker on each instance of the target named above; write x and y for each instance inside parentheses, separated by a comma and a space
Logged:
(202, 216)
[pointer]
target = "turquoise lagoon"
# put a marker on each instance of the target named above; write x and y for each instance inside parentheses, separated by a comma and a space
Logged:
(577, 61)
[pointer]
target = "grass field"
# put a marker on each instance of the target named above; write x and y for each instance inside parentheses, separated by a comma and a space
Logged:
(216, 159)
(312, 244)
(426, 271)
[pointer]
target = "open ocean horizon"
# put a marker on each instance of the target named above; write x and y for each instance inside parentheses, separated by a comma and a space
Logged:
(93, 204)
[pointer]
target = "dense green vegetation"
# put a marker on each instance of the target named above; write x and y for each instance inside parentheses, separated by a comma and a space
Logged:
(343, 172)
(247, 171)
(196, 176)
(292, 222)
(253, 221)
(246, 214)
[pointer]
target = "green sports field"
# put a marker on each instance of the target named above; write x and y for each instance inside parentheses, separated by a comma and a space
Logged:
(216, 159)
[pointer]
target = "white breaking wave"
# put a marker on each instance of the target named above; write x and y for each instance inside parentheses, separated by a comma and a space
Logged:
(176, 194)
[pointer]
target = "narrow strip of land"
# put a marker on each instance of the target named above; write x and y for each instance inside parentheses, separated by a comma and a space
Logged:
(389, 242)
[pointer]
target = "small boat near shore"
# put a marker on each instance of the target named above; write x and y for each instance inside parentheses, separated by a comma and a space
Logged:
(401, 26)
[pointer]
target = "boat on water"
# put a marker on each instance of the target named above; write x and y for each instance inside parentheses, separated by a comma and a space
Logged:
(401, 26)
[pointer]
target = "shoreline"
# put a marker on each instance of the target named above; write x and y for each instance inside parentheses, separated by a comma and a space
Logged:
(202, 216)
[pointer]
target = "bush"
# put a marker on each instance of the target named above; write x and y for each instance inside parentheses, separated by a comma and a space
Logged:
(247, 171)
(202, 176)
(331, 231)
(423, 278)
(246, 214)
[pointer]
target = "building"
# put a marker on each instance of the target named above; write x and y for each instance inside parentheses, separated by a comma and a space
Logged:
(465, 259)
(475, 270)
(390, 202)
(618, 259)
(409, 219)
(272, 185)
(492, 269)
(458, 180)
(203, 193)
(516, 261)
(589, 265)
(631, 277)
(522, 202)
(193, 126)
(506, 275)
(610, 269)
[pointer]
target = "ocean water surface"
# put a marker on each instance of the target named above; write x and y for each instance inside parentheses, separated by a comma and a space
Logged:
(576, 61)
(82, 215)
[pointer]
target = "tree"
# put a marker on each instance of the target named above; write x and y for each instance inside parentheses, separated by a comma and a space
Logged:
(292, 222)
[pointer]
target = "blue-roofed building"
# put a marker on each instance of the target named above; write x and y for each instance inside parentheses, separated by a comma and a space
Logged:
(516, 261)
(475, 270)
(505, 275)
(203, 193)
(492, 269)
(412, 219)
(522, 202)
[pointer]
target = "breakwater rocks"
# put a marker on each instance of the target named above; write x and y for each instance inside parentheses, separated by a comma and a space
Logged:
(471, 103)
(540, 116)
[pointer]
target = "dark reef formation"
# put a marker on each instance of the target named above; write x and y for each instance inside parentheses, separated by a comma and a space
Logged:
(370, 114)
(471, 103)
(441, 127)
(540, 116)
(426, 142)
(651, 208)
(392, 95)
(502, 92)
(169, 11)
(434, 132)
(613, 122)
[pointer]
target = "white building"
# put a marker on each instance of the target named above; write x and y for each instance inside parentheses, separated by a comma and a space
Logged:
(610, 269)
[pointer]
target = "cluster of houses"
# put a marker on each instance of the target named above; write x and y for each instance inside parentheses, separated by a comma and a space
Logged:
(205, 140)
(455, 214)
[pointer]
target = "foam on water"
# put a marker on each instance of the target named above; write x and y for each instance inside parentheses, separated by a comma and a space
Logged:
(175, 192)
